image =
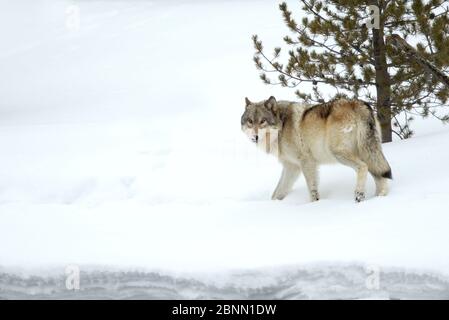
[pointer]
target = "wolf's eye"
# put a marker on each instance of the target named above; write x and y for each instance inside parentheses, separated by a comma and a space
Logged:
(249, 121)
(263, 122)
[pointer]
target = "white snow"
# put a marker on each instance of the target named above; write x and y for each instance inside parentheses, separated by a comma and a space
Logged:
(120, 145)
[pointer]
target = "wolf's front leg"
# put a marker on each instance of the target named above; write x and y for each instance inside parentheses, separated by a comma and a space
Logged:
(309, 168)
(290, 174)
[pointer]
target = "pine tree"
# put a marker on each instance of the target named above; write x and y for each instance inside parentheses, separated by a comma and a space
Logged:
(333, 45)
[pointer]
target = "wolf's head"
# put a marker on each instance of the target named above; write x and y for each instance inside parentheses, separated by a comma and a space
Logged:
(260, 120)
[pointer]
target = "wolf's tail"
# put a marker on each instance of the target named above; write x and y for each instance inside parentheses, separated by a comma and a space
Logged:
(370, 147)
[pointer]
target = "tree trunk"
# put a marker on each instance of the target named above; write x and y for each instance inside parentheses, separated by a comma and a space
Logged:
(382, 81)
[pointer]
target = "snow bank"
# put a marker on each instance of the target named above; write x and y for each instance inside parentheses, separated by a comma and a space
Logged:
(190, 207)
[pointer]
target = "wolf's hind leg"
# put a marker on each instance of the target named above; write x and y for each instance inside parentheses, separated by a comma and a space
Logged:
(381, 185)
(361, 169)
(290, 174)
(309, 168)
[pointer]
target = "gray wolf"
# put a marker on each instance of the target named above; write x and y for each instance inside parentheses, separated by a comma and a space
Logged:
(303, 137)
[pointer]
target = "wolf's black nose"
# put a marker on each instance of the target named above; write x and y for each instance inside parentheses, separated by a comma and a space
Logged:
(256, 137)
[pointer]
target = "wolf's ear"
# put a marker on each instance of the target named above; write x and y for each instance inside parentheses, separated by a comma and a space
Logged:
(271, 104)
(247, 102)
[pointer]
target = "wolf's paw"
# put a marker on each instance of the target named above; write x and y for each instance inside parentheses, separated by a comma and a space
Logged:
(278, 195)
(359, 196)
(314, 195)
(382, 193)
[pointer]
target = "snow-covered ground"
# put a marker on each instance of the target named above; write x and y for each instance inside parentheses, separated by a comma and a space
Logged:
(120, 149)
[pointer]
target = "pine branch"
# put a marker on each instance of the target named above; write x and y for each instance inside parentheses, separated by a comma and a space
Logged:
(396, 41)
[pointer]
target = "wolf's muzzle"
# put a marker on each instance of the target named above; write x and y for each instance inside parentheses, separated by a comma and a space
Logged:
(255, 139)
